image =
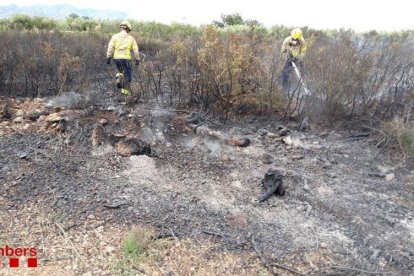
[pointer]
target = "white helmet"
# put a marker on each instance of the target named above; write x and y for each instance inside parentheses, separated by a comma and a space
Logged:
(125, 25)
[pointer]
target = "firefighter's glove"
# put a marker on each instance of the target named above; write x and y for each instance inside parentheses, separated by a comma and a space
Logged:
(137, 62)
(108, 60)
(296, 60)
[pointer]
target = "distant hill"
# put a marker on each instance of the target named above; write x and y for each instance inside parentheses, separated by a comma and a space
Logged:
(59, 11)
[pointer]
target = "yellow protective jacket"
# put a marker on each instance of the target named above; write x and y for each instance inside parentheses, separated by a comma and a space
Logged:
(295, 51)
(121, 45)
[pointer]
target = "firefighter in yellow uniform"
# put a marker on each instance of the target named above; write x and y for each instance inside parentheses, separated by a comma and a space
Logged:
(119, 49)
(295, 47)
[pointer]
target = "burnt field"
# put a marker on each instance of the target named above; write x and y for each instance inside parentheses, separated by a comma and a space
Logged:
(77, 184)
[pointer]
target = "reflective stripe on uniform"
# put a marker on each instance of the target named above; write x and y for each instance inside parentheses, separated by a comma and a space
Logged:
(123, 47)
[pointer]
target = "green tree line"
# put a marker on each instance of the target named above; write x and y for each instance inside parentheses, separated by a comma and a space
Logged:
(227, 23)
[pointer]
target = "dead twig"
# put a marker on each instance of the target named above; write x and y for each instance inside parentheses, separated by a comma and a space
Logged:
(206, 121)
(72, 226)
(358, 136)
(103, 223)
(163, 236)
(381, 142)
(266, 263)
(200, 124)
(286, 268)
(173, 234)
(261, 257)
(360, 270)
(169, 110)
(374, 129)
(65, 235)
(115, 205)
(208, 232)
(83, 156)
(46, 155)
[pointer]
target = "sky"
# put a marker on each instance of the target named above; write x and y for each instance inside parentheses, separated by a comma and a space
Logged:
(360, 15)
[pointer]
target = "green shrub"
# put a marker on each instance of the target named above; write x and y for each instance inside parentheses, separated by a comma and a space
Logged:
(400, 136)
(137, 242)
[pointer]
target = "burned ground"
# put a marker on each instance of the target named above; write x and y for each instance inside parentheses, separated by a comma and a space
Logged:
(348, 207)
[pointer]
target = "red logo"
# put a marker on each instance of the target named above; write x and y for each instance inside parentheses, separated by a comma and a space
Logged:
(13, 255)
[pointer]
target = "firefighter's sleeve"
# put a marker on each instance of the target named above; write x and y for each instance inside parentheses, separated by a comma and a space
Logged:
(135, 49)
(111, 48)
(285, 45)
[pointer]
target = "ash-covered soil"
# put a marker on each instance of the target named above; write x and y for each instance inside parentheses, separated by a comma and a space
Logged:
(348, 208)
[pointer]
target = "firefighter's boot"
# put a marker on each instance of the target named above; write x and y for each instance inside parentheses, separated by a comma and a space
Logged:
(125, 91)
(119, 77)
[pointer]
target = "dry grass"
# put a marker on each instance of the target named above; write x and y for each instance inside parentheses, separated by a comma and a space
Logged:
(144, 253)
(400, 136)
(61, 250)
